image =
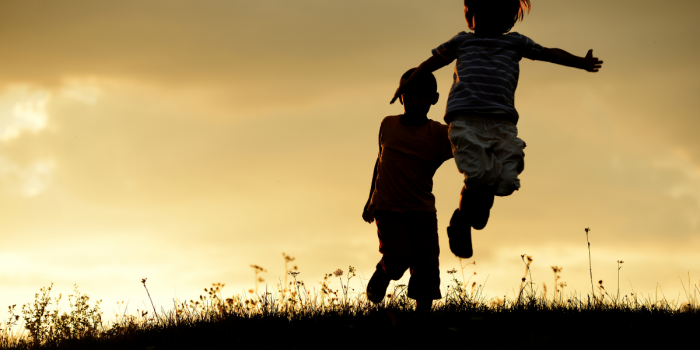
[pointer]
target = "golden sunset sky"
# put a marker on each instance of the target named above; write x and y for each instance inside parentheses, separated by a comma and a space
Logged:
(183, 141)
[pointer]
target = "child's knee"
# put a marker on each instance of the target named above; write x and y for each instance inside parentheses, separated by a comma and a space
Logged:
(394, 274)
(508, 183)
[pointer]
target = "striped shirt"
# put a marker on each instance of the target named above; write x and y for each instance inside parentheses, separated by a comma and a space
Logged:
(486, 73)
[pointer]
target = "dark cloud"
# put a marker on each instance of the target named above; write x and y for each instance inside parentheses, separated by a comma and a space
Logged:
(296, 52)
(213, 40)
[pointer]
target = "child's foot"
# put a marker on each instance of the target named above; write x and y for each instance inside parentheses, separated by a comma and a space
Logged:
(376, 288)
(460, 235)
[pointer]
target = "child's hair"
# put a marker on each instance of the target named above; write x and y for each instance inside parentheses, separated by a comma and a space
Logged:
(424, 84)
(505, 12)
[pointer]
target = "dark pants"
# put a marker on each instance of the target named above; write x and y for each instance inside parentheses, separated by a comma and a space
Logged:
(410, 241)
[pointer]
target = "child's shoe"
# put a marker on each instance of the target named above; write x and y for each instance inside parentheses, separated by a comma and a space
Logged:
(378, 283)
(460, 235)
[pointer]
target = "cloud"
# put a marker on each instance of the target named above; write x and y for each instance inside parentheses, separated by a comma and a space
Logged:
(82, 90)
(29, 180)
(22, 108)
(685, 184)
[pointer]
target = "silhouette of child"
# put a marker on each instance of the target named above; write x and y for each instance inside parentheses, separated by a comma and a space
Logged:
(411, 148)
(480, 107)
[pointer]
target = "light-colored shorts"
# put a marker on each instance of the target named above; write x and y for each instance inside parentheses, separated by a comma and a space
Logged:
(488, 152)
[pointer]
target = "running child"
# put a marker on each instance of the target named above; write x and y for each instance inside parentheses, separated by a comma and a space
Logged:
(411, 148)
(481, 106)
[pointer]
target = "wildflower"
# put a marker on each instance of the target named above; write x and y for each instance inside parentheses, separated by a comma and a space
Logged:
(451, 272)
(601, 281)
(338, 273)
(257, 268)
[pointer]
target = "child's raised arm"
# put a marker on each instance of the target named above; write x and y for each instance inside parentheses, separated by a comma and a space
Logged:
(428, 66)
(558, 56)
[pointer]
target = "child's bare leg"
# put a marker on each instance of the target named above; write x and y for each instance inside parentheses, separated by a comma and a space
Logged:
(475, 205)
(395, 248)
(460, 234)
(376, 288)
(474, 211)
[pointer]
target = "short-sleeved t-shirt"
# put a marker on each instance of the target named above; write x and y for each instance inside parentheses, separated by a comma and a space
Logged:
(408, 159)
(486, 73)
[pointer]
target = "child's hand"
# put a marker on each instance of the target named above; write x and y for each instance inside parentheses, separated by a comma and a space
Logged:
(368, 216)
(593, 64)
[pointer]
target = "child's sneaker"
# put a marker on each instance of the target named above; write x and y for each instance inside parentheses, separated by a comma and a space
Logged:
(460, 235)
(378, 283)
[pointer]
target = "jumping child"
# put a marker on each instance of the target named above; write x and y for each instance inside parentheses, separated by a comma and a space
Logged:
(480, 109)
(411, 148)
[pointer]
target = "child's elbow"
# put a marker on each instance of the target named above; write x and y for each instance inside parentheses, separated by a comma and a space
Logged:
(546, 54)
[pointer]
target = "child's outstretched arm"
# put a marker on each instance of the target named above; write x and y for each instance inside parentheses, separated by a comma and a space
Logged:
(428, 66)
(558, 56)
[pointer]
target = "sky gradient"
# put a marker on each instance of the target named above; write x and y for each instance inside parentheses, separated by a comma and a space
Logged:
(184, 141)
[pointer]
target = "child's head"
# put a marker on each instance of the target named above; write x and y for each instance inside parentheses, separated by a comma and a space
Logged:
(423, 91)
(494, 17)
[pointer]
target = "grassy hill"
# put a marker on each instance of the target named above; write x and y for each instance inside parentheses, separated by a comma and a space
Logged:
(331, 319)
